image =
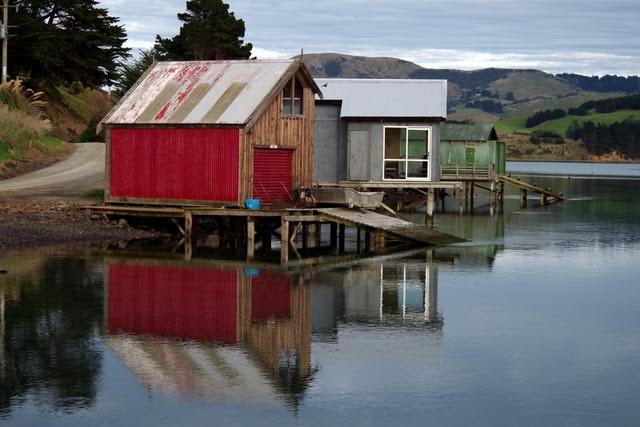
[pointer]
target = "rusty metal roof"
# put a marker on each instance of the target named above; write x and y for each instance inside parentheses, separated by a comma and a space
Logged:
(201, 92)
(468, 132)
(387, 97)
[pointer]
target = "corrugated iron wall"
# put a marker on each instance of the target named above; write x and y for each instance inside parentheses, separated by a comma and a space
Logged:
(174, 164)
(190, 303)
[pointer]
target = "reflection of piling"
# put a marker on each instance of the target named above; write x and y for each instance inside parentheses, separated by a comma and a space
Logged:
(523, 198)
(2, 332)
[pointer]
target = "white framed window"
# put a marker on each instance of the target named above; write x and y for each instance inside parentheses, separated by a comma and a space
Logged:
(406, 152)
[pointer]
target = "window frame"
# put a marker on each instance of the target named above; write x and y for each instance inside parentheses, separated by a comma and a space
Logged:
(429, 130)
(292, 89)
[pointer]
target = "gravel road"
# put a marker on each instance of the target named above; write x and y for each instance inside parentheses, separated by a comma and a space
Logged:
(83, 170)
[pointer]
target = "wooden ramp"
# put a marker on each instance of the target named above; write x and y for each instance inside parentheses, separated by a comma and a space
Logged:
(547, 193)
(394, 228)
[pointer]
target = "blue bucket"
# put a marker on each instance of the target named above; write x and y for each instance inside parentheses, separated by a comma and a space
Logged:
(252, 204)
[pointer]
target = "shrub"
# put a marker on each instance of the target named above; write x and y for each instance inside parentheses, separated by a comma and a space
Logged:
(546, 137)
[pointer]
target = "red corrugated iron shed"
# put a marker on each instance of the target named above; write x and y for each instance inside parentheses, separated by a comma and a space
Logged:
(212, 133)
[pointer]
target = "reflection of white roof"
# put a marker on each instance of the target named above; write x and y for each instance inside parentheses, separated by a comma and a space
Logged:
(195, 369)
(387, 97)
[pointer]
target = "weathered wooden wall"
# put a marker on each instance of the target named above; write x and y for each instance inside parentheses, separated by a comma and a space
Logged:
(292, 132)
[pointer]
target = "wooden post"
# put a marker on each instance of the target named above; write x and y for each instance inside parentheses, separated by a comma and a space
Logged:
(305, 235)
(379, 240)
(358, 240)
(543, 199)
(333, 243)
(188, 225)
(431, 201)
(523, 198)
(284, 241)
(493, 195)
(251, 236)
(315, 234)
(341, 238)
(501, 193)
(367, 240)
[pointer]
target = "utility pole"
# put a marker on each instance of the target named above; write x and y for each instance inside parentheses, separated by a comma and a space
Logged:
(5, 39)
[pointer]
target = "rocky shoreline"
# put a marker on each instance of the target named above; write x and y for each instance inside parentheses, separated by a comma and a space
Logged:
(29, 225)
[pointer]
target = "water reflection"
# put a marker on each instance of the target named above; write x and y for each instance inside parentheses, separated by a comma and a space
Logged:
(243, 334)
(241, 325)
(48, 346)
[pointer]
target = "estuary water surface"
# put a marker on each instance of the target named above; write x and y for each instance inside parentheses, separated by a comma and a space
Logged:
(536, 321)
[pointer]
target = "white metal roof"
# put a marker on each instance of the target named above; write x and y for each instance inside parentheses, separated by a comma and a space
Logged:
(200, 92)
(387, 97)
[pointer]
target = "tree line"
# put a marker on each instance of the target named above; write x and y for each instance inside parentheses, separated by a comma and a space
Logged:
(60, 42)
(486, 106)
(606, 83)
(623, 137)
(610, 105)
(630, 102)
(544, 116)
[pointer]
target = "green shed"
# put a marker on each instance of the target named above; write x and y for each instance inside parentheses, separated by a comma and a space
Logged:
(469, 151)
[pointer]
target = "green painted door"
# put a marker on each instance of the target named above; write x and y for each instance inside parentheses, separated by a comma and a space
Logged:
(470, 155)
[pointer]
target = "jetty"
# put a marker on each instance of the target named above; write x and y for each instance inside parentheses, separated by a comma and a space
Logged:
(547, 195)
(293, 227)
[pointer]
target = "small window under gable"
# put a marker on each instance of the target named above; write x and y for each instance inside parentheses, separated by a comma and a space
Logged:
(292, 98)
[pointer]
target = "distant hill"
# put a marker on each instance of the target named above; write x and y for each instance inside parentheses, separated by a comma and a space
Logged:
(519, 91)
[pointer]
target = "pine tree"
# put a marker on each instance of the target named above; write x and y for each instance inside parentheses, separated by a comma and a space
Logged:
(130, 72)
(209, 31)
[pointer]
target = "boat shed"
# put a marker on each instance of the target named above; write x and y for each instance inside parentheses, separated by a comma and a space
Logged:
(212, 133)
(471, 150)
(379, 130)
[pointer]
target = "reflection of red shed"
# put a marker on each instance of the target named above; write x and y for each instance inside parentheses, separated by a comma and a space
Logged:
(197, 303)
(212, 133)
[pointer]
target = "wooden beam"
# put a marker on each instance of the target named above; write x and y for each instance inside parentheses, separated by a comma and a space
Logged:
(284, 241)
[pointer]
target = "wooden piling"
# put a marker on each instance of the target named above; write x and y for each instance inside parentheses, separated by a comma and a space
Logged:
(333, 242)
(341, 238)
(379, 240)
(251, 235)
(431, 201)
(367, 241)
(284, 241)
(523, 198)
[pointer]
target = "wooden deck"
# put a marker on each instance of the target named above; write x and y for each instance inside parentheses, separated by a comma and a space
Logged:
(394, 228)
(292, 222)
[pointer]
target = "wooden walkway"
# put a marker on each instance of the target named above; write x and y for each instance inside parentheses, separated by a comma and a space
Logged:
(394, 228)
(547, 195)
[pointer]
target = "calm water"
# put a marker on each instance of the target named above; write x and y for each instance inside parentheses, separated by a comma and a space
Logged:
(576, 169)
(535, 322)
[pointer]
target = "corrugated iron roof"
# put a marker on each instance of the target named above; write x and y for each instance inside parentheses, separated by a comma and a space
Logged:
(468, 132)
(201, 92)
(387, 97)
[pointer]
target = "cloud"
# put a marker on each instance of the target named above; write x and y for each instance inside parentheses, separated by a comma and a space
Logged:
(567, 35)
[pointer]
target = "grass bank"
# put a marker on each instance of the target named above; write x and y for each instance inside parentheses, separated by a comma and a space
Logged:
(22, 127)
(516, 124)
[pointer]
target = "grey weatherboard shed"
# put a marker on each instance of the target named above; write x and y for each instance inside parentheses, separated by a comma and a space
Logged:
(358, 120)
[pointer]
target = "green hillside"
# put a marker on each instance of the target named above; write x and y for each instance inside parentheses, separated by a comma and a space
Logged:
(528, 85)
(516, 124)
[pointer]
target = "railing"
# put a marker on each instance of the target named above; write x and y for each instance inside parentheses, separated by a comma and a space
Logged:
(467, 171)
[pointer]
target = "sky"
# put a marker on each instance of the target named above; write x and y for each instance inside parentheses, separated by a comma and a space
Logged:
(581, 36)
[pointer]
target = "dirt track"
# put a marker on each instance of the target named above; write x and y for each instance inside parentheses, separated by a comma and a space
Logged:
(83, 170)
(43, 208)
